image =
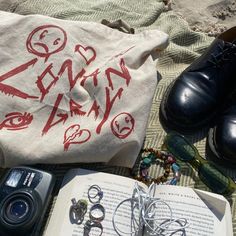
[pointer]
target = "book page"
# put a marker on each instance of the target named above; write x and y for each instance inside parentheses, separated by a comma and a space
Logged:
(75, 185)
(206, 213)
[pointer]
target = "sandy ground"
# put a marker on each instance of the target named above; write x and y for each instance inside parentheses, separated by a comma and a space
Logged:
(210, 16)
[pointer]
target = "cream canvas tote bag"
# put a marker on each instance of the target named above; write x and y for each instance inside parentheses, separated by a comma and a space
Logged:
(73, 91)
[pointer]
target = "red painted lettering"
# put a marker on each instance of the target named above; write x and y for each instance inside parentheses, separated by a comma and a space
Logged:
(9, 90)
(123, 74)
(67, 64)
(50, 81)
(93, 75)
(62, 117)
(75, 108)
(95, 108)
(109, 105)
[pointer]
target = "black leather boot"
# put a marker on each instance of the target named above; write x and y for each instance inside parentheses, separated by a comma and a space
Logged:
(222, 139)
(193, 100)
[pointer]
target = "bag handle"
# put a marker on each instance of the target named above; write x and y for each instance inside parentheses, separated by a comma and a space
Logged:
(120, 25)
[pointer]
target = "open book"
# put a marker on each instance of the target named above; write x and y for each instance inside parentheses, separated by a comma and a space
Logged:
(206, 213)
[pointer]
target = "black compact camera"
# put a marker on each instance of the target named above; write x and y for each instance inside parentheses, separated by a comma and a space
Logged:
(24, 196)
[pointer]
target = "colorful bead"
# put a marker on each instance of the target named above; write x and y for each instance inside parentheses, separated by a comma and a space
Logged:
(171, 159)
(147, 161)
(150, 159)
(144, 172)
(175, 167)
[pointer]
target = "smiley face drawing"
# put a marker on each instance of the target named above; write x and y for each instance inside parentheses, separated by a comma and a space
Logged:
(46, 40)
(122, 125)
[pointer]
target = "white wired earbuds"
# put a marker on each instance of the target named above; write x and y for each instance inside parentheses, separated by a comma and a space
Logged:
(146, 204)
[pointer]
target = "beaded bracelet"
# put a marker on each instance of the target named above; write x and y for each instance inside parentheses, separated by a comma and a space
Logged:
(151, 157)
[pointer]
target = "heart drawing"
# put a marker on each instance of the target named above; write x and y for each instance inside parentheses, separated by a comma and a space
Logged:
(88, 53)
(75, 135)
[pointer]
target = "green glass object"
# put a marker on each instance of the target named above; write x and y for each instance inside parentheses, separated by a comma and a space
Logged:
(152, 156)
(208, 172)
(147, 161)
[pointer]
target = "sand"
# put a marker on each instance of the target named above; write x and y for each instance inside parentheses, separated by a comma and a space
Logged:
(209, 16)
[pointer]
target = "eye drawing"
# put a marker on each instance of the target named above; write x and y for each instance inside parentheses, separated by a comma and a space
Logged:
(16, 121)
(42, 35)
(56, 41)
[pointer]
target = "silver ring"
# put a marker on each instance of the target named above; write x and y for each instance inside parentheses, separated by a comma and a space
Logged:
(95, 194)
(89, 225)
(97, 213)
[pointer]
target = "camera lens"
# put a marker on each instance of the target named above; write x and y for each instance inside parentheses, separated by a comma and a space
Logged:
(17, 209)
